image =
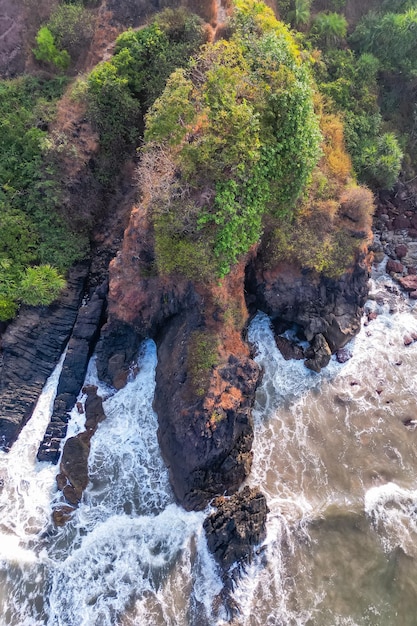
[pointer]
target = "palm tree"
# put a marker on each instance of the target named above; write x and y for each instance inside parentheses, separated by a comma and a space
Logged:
(329, 28)
(301, 13)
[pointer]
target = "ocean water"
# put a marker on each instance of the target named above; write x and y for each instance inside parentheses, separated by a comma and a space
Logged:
(334, 453)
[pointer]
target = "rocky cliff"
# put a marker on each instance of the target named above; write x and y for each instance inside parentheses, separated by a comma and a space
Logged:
(206, 379)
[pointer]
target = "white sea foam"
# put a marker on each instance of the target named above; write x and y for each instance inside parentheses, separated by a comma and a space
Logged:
(393, 512)
(26, 484)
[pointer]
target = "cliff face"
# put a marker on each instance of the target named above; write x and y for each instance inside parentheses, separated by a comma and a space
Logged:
(322, 306)
(206, 380)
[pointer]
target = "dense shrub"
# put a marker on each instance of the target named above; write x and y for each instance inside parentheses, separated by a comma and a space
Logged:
(47, 51)
(329, 29)
(121, 90)
(32, 232)
(72, 27)
(352, 86)
(332, 222)
(391, 38)
(242, 136)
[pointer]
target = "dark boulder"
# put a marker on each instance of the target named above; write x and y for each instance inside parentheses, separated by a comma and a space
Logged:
(318, 354)
(394, 267)
(73, 476)
(289, 349)
(238, 525)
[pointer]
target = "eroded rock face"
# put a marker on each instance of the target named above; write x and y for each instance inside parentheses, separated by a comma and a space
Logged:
(321, 306)
(237, 526)
(205, 433)
(12, 49)
(205, 441)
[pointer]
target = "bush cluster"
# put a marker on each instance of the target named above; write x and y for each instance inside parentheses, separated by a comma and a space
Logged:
(121, 90)
(36, 245)
(240, 130)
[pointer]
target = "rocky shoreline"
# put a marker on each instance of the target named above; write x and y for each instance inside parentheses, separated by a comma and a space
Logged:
(205, 438)
(396, 230)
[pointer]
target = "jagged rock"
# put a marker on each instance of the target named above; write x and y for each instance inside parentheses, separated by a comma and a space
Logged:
(319, 305)
(343, 355)
(319, 354)
(80, 348)
(289, 349)
(73, 476)
(116, 350)
(30, 349)
(237, 526)
(205, 440)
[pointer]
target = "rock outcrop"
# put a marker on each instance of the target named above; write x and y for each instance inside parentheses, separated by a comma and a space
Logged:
(328, 311)
(30, 349)
(80, 347)
(205, 439)
(206, 379)
(238, 525)
(73, 475)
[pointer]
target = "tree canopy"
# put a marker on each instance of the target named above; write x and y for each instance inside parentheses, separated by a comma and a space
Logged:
(233, 136)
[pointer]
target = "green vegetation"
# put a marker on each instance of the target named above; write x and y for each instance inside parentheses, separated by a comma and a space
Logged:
(122, 89)
(368, 77)
(300, 15)
(331, 223)
(202, 356)
(250, 138)
(391, 37)
(328, 30)
(239, 128)
(33, 234)
(72, 27)
(48, 52)
(65, 36)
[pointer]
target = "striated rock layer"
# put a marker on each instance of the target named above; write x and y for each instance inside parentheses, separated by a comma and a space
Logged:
(30, 349)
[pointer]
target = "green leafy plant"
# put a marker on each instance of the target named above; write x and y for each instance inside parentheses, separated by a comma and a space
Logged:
(201, 358)
(40, 284)
(329, 29)
(300, 16)
(47, 50)
(32, 228)
(72, 28)
(242, 138)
